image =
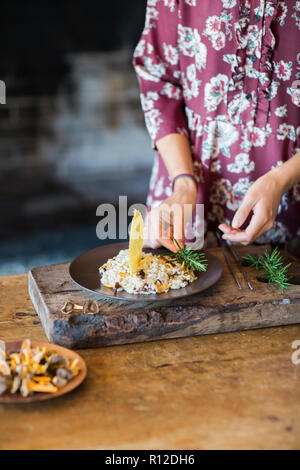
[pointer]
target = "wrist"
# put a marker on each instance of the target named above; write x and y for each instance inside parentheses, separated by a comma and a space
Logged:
(185, 183)
(287, 174)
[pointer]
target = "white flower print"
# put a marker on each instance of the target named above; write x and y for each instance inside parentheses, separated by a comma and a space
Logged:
(239, 190)
(171, 91)
(213, 25)
(227, 134)
(140, 49)
(170, 4)
(213, 30)
(153, 121)
(215, 91)
(251, 72)
(258, 137)
(283, 206)
(156, 70)
(281, 12)
(295, 94)
(273, 90)
(283, 69)
(152, 115)
(220, 137)
(231, 59)
(192, 3)
(171, 54)
(286, 131)
(229, 3)
(190, 83)
(218, 40)
(194, 121)
(147, 100)
(159, 188)
(281, 111)
(296, 15)
(154, 173)
(151, 19)
(145, 74)
(190, 44)
(241, 163)
(186, 40)
(149, 48)
(253, 46)
(237, 105)
(200, 51)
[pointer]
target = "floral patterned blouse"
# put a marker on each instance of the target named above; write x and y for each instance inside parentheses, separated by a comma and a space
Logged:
(226, 73)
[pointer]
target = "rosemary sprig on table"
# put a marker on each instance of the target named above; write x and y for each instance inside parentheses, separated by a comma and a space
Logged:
(191, 258)
(272, 265)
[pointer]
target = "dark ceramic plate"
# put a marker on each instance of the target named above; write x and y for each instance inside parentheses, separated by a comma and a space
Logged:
(38, 396)
(84, 271)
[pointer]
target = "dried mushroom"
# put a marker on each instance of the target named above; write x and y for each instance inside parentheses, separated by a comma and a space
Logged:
(91, 307)
(34, 369)
(5, 382)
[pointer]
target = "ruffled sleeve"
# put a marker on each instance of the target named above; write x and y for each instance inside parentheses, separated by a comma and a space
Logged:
(156, 62)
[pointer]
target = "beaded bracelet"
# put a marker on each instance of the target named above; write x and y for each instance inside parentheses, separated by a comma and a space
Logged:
(181, 175)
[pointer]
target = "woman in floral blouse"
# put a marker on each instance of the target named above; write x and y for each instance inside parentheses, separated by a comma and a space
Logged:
(220, 89)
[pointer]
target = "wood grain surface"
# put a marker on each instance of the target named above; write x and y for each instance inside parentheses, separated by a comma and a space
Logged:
(228, 391)
(221, 308)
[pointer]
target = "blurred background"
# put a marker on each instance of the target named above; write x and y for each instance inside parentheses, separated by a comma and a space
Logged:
(72, 130)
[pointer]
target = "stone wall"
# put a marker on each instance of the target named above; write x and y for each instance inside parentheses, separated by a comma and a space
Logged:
(72, 130)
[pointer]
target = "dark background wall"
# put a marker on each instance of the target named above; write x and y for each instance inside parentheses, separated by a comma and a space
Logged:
(72, 130)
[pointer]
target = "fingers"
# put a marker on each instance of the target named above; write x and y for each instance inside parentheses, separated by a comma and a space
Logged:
(162, 225)
(259, 223)
(243, 211)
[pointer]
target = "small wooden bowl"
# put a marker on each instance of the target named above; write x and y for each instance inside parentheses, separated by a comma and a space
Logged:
(39, 396)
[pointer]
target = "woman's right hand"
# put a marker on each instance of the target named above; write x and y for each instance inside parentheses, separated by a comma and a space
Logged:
(168, 220)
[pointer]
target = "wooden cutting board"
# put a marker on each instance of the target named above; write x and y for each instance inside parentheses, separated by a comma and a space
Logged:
(221, 308)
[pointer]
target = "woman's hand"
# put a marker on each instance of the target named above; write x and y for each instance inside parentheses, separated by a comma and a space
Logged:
(168, 220)
(263, 198)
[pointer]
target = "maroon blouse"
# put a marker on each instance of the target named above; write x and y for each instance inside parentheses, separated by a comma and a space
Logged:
(226, 73)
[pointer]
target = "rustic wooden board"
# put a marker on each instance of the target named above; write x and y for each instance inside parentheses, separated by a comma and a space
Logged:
(222, 308)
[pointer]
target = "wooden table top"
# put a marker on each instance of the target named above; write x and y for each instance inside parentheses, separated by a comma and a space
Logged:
(226, 391)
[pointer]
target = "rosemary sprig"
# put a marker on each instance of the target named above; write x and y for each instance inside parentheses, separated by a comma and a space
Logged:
(191, 258)
(272, 265)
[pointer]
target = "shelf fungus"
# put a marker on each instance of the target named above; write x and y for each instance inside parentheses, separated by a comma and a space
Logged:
(89, 307)
(34, 369)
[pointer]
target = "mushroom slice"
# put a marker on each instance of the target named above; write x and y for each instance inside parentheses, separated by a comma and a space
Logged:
(59, 381)
(5, 382)
(38, 356)
(24, 389)
(40, 387)
(74, 367)
(64, 373)
(15, 384)
(4, 368)
(2, 350)
(57, 360)
(26, 345)
(41, 378)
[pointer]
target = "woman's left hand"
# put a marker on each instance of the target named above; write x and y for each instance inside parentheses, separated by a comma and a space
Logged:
(263, 198)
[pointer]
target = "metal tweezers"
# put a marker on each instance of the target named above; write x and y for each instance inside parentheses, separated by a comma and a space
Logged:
(224, 244)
